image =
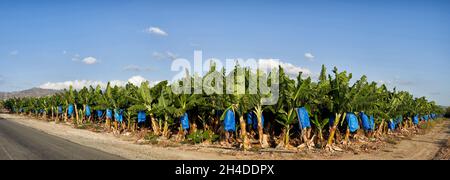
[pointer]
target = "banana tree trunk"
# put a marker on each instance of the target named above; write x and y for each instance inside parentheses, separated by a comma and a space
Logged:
(124, 125)
(347, 135)
(246, 141)
(53, 114)
(333, 129)
(65, 115)
(76, 112)
(320, 135)
(262, 140)
(129, 123)
(306, 134)
(155, 126)
(380, 128)
(286, 135)
(108, 123)
(116, 124)
(165, 132)
(83, 115)
(193, 126)
(57, 116)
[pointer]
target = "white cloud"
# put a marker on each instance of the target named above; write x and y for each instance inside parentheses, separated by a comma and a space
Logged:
(171, 55)
(158, 55)
(137, 80)
(156, 31)
(89, 60)
(166, 55)
(14, 53)
(79, 84)
(132, 68)
(309, 56)
(136, 68)
(287, 67)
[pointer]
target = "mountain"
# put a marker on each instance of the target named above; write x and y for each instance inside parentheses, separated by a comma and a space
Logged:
(33, 92)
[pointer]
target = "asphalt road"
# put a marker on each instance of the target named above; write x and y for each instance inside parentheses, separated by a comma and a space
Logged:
(18, 142)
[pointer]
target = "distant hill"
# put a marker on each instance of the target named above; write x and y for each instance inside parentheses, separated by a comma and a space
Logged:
(33, 92)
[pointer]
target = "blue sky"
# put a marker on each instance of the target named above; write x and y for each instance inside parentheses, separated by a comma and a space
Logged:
(403, 43)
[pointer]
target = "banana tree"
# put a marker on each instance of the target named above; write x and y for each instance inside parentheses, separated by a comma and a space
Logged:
(339, 94)
(285, 107)
(182, 104)
(320, 105)
(143, 100)
(99, 103)
(59, 101)
(119, 102)
(85, 97)
(70, 102)
(361, 101)
(239, 101)
(108, 103)
(256, 100)
(164, 109)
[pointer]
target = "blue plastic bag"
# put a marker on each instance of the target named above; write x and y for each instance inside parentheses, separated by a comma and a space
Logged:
(109, 113)
(70, 110)
(118, 115)
(252, 119)
(416, 119)
(185, 121)
(141, 117)
(372, 123)
(99, 113)
(303, 118)
(391, 125)
(255, 123)
(365, 121)
(352, 121)
(88, 111)
(331, 120)
(229, 121)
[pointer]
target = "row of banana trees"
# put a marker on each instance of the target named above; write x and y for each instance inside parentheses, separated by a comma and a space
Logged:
(324, 112)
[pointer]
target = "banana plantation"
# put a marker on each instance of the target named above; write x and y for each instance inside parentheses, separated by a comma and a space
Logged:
(321, 113)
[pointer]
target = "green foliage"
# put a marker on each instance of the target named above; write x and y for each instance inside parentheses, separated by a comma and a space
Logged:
(201, 136)
(330, 94)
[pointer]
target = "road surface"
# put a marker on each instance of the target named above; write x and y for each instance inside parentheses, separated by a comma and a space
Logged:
(18, 142)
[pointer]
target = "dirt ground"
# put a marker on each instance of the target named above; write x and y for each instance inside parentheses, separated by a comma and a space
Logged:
(434, 144)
